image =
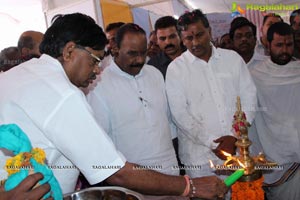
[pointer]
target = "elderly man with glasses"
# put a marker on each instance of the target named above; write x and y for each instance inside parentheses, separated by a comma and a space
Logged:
(42, 97)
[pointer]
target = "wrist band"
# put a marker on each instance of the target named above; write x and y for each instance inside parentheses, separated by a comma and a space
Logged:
(187, 187)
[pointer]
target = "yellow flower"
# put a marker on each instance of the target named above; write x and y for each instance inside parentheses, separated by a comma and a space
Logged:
(39, 155)
(13, 164)
(8, 166)
(18, 159)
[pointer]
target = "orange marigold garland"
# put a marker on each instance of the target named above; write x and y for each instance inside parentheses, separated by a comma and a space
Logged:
(251, 190)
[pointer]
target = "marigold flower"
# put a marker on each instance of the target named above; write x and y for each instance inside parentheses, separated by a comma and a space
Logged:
(13, 164)
(248, 190)
(39, 155)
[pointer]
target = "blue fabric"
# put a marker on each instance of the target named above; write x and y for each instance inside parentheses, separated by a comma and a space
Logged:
(15, 179)
(14, 139)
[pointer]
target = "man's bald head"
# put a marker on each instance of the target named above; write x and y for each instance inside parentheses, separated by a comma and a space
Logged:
(29, 43)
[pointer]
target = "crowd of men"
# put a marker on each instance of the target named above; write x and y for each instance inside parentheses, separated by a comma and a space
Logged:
(149, 116)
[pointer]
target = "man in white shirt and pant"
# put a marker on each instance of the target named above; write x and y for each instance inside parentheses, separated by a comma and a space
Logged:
(130, 103)
(202, 86)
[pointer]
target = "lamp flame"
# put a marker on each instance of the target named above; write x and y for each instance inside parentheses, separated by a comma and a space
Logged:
(226, 154)
(229, 158)
(241, 164)
(211, 164)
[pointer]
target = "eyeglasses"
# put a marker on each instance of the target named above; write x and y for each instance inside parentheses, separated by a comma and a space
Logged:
(97, 59)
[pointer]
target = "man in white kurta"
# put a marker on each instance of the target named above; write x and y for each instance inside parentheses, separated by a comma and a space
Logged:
(133, 110)
(38, 97)
(202, 99)
(202, 92)
(277, 124)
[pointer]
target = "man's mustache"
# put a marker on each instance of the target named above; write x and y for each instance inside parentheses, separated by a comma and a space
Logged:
(285, 54)
(197, 47)
(138, 65)
(170, 46)
(244, 43)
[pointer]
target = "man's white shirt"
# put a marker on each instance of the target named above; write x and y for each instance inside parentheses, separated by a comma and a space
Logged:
(38, 96)
(133, 110)
(202, 98)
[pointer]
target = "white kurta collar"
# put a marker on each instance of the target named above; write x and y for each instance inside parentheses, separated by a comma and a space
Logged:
(214, 55)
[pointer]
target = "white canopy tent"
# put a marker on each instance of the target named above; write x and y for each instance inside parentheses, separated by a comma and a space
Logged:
(17, 16)
(207, 6)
